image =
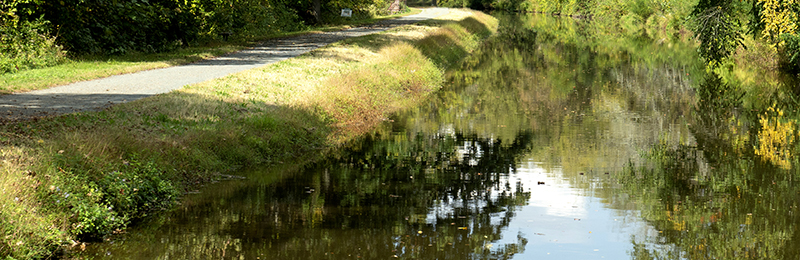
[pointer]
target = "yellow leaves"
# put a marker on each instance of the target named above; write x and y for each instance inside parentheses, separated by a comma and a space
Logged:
(778, 18)
(736, 135)
(775, 138)
(678, 223)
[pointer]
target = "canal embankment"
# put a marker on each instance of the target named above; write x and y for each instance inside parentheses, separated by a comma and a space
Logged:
(82, 177)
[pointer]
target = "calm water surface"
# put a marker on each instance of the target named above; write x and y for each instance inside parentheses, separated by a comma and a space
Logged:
(557, 140)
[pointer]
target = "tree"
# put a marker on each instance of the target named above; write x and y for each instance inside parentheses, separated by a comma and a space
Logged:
(718, 29)
(317, 10)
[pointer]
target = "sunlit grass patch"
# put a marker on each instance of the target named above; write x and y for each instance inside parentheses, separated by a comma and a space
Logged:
(87, 68)
(363, 96)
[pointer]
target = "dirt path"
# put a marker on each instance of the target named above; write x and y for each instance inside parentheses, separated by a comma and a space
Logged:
(101, 93)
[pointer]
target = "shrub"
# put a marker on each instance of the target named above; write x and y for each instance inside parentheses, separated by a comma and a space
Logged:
(632, 23)
(790, 53)
(107, 201)
(26, 45)
(116, 27)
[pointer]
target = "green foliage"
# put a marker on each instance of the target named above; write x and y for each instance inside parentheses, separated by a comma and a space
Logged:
(138, 189)
(474, 4)
(790, 53)
(118, 27)
(718, 28)
(511, 5)
(631, 23)
(632, 15)
(642, 8)
(714, 95)
(96, 26)
(27, 45)
(453, 3)
(103, 202)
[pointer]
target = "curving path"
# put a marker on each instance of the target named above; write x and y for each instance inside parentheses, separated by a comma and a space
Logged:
(101, 93)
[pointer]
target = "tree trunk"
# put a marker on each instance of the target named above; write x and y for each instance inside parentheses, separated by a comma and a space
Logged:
(318, 11)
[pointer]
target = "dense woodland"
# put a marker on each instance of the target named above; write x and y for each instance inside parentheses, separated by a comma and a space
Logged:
(718, 25)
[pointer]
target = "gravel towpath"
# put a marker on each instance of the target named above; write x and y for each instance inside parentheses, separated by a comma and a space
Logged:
(101, 93)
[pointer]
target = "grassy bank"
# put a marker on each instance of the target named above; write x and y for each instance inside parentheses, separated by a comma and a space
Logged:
(82, 177)
(87, 67)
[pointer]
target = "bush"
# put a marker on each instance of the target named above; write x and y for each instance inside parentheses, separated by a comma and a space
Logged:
(631, 23)
(453, 3)
(116, 27)
(790, 53)
(100, 204)
(26, 46)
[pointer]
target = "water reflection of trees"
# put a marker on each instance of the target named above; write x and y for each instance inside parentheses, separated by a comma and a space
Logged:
(706, 191)
(716, 198)
(451, 188)
(414, 196)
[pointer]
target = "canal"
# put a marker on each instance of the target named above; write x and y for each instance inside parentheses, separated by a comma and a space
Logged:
(558, 139)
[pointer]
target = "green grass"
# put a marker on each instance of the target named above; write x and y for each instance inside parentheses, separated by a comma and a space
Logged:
(82, 177)
(87, 68)
(92, 67)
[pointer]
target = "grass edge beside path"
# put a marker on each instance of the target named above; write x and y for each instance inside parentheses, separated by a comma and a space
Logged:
(85, 68)
(83, 177)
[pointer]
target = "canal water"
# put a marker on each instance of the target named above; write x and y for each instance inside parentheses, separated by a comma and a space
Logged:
(558, 139)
